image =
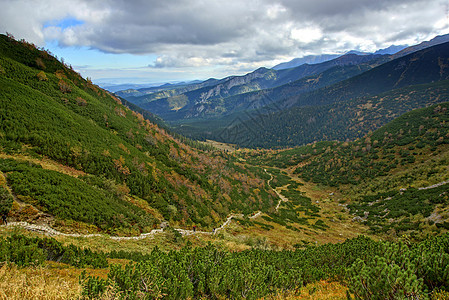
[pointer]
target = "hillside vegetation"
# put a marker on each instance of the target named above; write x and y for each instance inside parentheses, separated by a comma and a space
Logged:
(408, 271)
(393, 180)
(48, 110)
(73, 156)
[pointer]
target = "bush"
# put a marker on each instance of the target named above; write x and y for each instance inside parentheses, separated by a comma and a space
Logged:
(41, 76)
(6, 201)
(21, 251)
(383, 279)
(25, 251)
(64, 87)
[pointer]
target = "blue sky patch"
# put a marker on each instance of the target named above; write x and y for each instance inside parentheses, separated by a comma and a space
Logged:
(64, 23)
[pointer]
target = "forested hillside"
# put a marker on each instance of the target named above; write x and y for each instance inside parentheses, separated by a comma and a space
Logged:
(345, 110)
(395, 179)
(120, 161)
(75, 157)
(228, 95)
(339, 121)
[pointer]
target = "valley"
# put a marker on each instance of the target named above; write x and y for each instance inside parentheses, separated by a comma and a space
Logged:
(345, 176)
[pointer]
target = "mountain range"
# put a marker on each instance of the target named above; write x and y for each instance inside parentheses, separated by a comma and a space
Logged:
(148, 174)
(316, 59)
(118, 187)
(207, 110)
(213, 100)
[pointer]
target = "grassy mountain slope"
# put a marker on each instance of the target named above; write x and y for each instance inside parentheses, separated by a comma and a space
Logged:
(48, 110)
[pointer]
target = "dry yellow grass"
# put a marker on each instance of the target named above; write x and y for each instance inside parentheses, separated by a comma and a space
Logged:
(321, 290)
(47, 164)
(221, 146)
(38, 283)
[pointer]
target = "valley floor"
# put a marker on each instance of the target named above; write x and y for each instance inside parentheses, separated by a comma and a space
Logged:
(60, 281)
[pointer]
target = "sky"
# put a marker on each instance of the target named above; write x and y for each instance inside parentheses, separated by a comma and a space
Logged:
(158, 41)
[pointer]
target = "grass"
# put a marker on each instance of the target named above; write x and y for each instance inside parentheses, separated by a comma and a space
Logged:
(321, 290)
(46, 164)
(164, 241)
(221, 146)
(52, 281)
(331, 213)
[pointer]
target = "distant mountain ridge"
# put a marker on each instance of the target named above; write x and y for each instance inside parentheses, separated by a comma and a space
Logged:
(316, 59)
(395, 50)
(211, 100)
(308, 59)
(425, 66)
(441, 39)
(312, 77)
(346, 109)
(137, 87)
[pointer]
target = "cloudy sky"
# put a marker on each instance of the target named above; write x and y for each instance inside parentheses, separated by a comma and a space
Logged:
(146, 41)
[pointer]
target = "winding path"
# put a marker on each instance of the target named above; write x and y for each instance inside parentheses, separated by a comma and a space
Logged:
(47, 230)
(282, 198)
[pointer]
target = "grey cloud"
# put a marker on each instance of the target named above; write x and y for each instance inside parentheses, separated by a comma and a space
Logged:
(142, 27)
(332, 8)
(189, 33)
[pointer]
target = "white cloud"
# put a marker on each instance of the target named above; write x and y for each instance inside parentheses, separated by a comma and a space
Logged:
(306, 34)
(275, 11)
(235, 34)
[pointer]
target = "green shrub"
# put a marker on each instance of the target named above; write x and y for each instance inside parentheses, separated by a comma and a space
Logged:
(25, 251)
(6, 201)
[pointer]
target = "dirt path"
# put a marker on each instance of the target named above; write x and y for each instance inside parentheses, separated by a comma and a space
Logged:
(434, 185)
(281, 197)
(256, 215)
(45, 229)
